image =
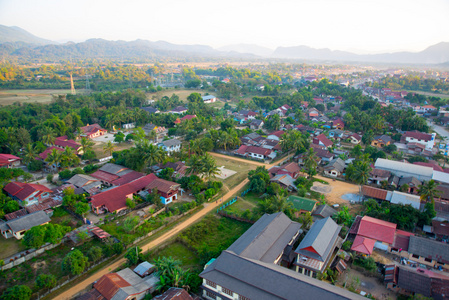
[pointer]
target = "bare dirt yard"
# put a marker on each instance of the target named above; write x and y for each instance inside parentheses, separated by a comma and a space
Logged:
(337, 189)
(8, 97)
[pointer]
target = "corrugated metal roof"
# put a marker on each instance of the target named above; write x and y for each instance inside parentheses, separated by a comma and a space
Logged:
(109, 284)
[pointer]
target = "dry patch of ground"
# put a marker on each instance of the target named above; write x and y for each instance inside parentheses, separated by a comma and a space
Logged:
(8, 97)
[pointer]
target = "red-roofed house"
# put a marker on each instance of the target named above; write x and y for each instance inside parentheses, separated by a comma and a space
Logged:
(27, 193)
(9, 161)
(431, 165)
(355, 138)
(254, 152)
(382, 232)
(64, 142)
(322, 140)
(43, 155)
(188, 117)
(338, 124)
(92, 131)
(416, 137)
(363, 245)
(114, 200)
(313, 113)
(276, 135)
(167, 190)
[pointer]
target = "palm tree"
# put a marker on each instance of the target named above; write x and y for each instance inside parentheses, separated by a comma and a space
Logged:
(361, 173)
(209, 167)
(153, 135)
(151, 154)
(428, 191)
(225, 140)
(54, 158)
(86, 145)
(194, 165)
(69, 157)
(110, 121)
(48, 137)
(109, 147)
(30, 153)
(310, 162)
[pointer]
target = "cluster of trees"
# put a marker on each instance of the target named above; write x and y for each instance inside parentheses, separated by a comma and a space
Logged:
(37, 236)
(405, 216)
(413, 81)
(76, 203)
(7, 205)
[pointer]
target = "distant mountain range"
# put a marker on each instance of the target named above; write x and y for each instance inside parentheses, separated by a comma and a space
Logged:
(16, 34)
(16, 42)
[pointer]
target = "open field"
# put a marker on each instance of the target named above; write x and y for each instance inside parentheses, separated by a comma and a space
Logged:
(182, 94)
(10, 247)
(8, 97)
(241, 168)
(429, 94)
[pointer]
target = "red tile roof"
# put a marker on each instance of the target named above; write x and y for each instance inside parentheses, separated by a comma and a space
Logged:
(188, 117)
(323, 139)
(91, 129)
(373, 192)
(17, 214)
(417, 135)
(278, 133)
(109, 284)
(23, 190)
(115, 199)
(376, 229)
(64, 142)
(434, 166)
(127, 178)
(363, 245)
(47, 151)
(162, 185)
(258, 150)
(242, 149)
(9, 157)
(101, 175)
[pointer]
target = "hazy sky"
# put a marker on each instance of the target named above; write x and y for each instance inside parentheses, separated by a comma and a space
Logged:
(364, 26)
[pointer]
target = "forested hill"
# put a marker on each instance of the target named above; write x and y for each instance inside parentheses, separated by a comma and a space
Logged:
(15, 34)
(99, 48)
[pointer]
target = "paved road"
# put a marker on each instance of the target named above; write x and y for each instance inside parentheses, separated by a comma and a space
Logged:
(439, 129)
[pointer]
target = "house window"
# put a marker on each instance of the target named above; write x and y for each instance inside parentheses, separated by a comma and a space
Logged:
(415, 256)
(210, 295)
(243, 298)
(307, 272)
(227, 291)
(428, 259)
(211, 284)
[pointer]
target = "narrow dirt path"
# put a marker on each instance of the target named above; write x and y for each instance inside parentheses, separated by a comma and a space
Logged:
(163, 238)
(252, 162)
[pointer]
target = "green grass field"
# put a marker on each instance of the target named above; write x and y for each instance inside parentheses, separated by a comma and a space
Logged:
(241, 168)
(8, 97)
(178, 251)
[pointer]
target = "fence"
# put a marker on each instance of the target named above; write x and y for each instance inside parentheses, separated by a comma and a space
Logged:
(227, 204)
(23, 256)
(225, 214)
(39, 296)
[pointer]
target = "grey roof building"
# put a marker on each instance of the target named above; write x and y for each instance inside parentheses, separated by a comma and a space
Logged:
(17, 227)
(323, 211)
(428, 248)
(81, 180)
(247, 269)
(336, 164)
(402, 169)
(315, 250)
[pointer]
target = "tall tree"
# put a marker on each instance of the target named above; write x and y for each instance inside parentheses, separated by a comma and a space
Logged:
(428, 191)
(109, 147)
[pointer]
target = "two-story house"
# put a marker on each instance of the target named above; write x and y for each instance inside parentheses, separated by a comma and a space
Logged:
(315, 250)
(170, 146)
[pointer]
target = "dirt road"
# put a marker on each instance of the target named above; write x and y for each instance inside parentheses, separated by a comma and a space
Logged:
(163, 238)
(252, 162)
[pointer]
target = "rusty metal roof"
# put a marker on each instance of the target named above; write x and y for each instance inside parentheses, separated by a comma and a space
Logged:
(109, 284)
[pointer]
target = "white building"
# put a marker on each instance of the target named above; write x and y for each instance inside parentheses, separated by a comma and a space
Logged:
(209, 99)
(170, 146)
